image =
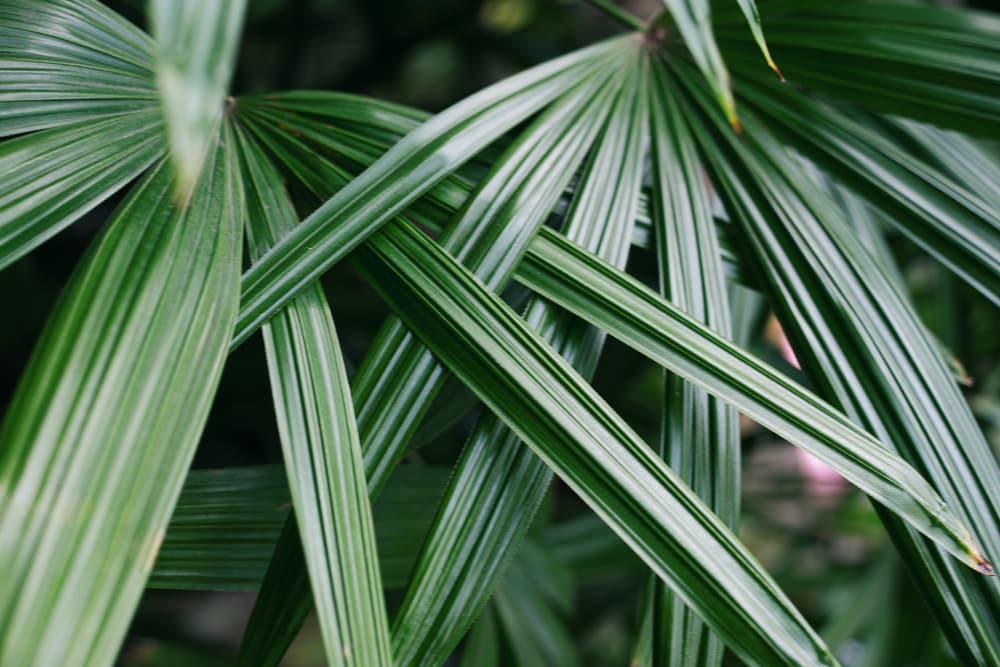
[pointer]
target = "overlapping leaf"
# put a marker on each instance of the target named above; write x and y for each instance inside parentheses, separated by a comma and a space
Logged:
(498, 482)
(932, 63)
(320, 443)
(55, 176)
(102, 429)
(67, 61)
(622, 306)
(958, 226)
(839, 305)
(699, 434)
(195, 53)
(539, 396)
(410, 168)
(399, 378)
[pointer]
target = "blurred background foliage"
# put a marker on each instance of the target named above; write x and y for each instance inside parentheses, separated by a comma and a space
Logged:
(820, 539)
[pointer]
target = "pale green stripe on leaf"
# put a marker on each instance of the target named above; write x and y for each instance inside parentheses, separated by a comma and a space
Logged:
(100, 433)
(320, 443)
(196, 43)
(646, 322)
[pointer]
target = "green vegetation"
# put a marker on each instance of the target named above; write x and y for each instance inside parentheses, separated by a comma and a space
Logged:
(536, 434)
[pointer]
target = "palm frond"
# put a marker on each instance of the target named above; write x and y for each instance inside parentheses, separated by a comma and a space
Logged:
(104, 424)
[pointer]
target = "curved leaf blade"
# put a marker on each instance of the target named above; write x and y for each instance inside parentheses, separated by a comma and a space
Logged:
(838, 303)
(410, 168)
(699, 433)
(499, 482)
(633, 313)
(320, 442)
(953, 224)
(55, 176)
(95, 446)
(69, 61)
(539, 396)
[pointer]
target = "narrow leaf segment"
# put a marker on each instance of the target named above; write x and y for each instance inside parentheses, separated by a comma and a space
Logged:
(102, 429)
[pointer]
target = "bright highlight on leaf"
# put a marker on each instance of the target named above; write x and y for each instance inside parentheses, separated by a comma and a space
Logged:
(102, 429)
(196, 44)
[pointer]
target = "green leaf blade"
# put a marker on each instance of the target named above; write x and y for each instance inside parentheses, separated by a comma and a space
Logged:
(99, 436)
(411, 167)
(699, 434)
(55, 176)
(196, 44)
(69, 61)
(544, 401)
(837, 302)
(320, 443)
(499, 482)
(632, 312)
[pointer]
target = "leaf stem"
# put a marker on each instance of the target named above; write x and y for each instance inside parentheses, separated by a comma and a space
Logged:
(614, 11)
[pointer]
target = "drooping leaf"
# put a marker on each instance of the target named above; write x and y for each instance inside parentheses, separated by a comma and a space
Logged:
(959, 227)
(699, 434)
(319, 440)
(417, 162)
(539, 396)
(68, 61)
(99, 436)
(838, 304)
(55, 176)
(499, 482)
(633, 313)
(932, 63)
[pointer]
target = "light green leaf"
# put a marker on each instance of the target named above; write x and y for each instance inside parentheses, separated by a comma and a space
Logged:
(319, 441)
(700, 434)
(539, 396)
(410, 168)
(749, 9)
(837, 303)
(954, 224)
(68, 61)
(55, 176)
(694, 21)
(398, 380)
(499, 482)
(99, 436)
(633, 313)
(196, 44)
(361, 129)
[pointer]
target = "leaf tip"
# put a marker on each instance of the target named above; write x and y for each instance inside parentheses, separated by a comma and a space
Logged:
(734, 121)
(774, 67)
(984, 566)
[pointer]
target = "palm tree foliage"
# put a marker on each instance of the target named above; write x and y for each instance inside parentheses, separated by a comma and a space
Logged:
(546, 180)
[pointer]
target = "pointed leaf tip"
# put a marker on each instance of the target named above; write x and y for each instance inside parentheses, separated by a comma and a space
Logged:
(774, 66)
